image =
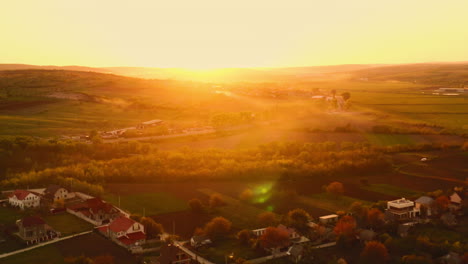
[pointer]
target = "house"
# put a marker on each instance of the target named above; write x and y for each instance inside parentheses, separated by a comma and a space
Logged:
(424, 204)
(295, 253)
(291, 231)
(24, 199)
(328, 219)
(456, 200)
(33, 229)
(199, 240)
(402, 209)
(172, 254)
(365, 235)
(124, 231)
(56, 193)
(95, 211)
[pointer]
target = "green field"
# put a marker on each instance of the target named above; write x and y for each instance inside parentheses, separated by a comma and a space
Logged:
(392, 190)
(148, 203)
(242, 215)
(329, 202)
(67, 224)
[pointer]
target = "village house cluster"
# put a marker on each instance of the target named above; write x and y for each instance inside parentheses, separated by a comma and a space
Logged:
(109, 220)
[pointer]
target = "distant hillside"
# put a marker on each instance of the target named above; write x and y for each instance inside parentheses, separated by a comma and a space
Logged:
(214, 75)
(42, 82)
(446, 74)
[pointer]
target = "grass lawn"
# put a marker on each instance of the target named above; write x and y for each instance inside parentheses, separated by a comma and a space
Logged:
(44, 255)
(153, 203)
(90, 245)
(10, 215)
(242, 215)
(392, 190)
(67, 224)
(329, 202)
(218, 251)
(10, 245)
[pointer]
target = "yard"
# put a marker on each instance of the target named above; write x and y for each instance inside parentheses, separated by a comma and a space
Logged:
(67, 224)
(150, 203)
(9, 215)
(219, 250)
(89, 245)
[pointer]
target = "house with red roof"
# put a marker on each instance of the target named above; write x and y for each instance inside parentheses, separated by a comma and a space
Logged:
(124, 231)
(24, 199)
(33, 229)
(95, 211)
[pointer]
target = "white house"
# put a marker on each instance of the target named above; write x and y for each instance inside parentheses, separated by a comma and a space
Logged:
(125, 232)
(24, 199)
(56, 193)
(402, 209)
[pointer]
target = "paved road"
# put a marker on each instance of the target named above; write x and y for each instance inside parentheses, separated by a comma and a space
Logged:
(42, 244)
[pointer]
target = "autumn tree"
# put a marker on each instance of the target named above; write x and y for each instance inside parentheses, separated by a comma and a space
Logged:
(441, 203)
(246, 195)
(415, 259)
(358, 210)
(195, 205)
(244, 236)
(218, 227)
(374, 252)
(274, 238)
(298, 218)
(152, 229)
(266, 219)
(335, 188)
(346, 226)
(375, 218)
(216, 200)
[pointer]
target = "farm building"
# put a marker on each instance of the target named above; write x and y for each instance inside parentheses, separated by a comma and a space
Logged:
(24, 199)
(328, 219)
(150, 123)
(125, 232)
(95, 211)
(402, 209)
(33, 229)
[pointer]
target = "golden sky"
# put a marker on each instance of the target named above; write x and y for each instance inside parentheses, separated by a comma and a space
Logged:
(235, 33)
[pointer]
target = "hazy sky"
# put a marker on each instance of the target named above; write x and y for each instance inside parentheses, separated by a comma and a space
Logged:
(236, 33)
